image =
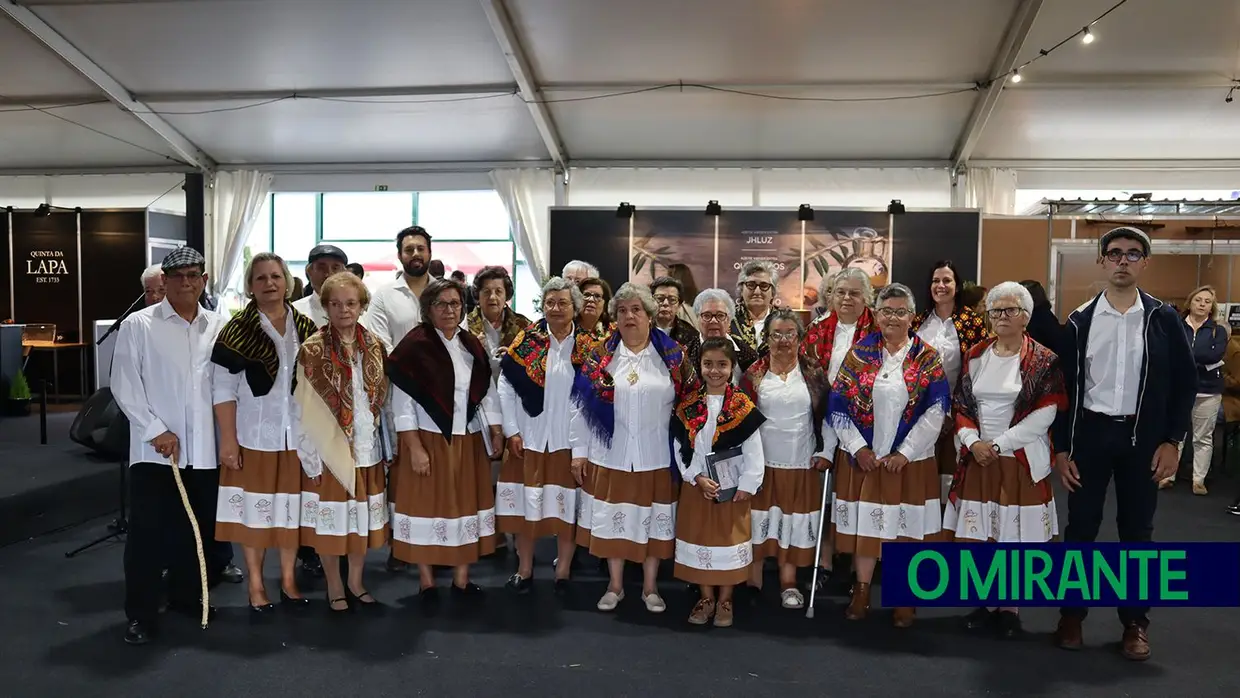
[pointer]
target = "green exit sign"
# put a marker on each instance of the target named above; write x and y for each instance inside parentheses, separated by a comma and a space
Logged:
(380, 187)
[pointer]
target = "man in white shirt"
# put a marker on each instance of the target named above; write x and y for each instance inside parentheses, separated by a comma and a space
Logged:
(323, 261)
(394, 308)
(1131, 383)
(161, 381)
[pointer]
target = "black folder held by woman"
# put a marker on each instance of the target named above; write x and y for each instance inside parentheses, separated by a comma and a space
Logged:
(724, 467)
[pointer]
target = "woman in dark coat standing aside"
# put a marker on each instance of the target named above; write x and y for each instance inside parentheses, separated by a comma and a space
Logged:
(1209, 343)
(1044, 327)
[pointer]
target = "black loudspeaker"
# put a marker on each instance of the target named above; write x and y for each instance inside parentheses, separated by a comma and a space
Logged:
(101, 426)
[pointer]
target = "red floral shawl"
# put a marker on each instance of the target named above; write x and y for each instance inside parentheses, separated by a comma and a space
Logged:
(820, 337)
(1041, 385)
(738, 419)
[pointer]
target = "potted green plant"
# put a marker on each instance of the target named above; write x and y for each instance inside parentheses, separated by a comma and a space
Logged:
(17, 402)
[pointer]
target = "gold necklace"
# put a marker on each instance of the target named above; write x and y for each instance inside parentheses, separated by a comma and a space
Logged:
(633, 377)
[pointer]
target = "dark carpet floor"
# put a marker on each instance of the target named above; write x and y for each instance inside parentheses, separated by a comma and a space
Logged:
(63, 624)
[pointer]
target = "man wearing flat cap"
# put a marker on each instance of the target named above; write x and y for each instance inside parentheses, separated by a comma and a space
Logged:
(161, 381)
(324, 260)
(1131, 385)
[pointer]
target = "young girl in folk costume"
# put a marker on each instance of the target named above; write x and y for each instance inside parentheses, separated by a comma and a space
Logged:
(792, 393)
(260, 481)
(1009, 393)
(341, 395)
(713, 540)
(887, 408)
(623, 402)
(537, 491)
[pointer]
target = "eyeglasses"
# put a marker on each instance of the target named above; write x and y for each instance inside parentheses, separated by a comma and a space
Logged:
(344, 305)
(847, 293)
(664, 299)
(899, 313)
(447, 305)
(996, 313)
(713, 318)
(592, 296)
(786, 335)
(183, 276)
(1131, 255)
(558, 305)
(757, 286)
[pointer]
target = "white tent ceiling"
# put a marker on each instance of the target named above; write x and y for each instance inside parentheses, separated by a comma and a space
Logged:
(338, 84)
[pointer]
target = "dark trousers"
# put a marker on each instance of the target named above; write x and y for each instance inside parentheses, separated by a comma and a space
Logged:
(160, 537)
(1104, 450)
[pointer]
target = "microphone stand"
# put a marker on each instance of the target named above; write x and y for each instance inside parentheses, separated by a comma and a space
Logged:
(120, 318)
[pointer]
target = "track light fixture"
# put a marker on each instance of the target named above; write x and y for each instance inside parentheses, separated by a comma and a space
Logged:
(625, 210)
(713, 208)
(1087, 37)
(895, 208)
(43, 211)
(805, 213)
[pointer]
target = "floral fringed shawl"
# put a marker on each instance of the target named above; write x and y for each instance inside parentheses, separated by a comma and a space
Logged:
(524, 362)
(820, 336)
(852, 395)
(738, 419)
(1041, 385)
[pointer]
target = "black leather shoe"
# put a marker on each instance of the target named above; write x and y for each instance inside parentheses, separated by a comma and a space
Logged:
(290, 602)
(137, 634)
(979, 618)
(519, 584)
(470, 590)
(561, 587)
(1009, 625)
(364, 600)
(312, 567)
(232, 574)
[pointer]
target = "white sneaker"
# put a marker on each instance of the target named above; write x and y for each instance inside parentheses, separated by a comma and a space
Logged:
(654, 603)
(792, 598)
(610, 600)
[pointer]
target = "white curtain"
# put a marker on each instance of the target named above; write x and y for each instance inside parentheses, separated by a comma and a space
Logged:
(528, 195)
(991, 189)
(239, 197)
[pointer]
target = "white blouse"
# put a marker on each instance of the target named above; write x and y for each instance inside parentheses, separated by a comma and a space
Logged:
(996, 384)
(787, 434)
(490, 342)
(751, 451)
(369, 444)
(840, 345)
(263, 423)
(548, 432)
(643, 411)
(891, 397)
(941, 334)
(408, 415)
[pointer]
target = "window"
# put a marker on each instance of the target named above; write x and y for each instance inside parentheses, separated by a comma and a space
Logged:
(294, 224)
(463, 215)
(366, 215)
(527, 288)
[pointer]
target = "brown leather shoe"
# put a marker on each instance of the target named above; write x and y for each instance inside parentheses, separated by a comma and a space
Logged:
(1136, 643)
(859, 604)
(903, 617)
(1068, 634)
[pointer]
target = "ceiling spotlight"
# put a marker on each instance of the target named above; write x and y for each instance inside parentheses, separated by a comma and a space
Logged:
(1087, 37)
(805, 213)
(624, 210)
(1016, 76)
(713, 208)
(895, 208)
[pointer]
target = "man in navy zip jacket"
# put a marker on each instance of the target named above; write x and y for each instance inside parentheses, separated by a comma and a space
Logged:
(1131, 384)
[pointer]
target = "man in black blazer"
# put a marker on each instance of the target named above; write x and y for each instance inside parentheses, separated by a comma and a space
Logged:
(1131, 383)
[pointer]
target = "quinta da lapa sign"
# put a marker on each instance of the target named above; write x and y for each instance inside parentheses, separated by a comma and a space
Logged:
(46, 266)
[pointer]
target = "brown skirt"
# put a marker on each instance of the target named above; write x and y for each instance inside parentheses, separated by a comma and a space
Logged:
(536, 494)
(1001, 503)
(446, 517)
(259, 506)
(713, 542)
(945, 454)
(871, 508)
(333, 523)
(629, 516)
(785, 515)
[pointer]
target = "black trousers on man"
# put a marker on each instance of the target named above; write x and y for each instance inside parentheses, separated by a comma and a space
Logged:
(1104, 451)
(160, 537)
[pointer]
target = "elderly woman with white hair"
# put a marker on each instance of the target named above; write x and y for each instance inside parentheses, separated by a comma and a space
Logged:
(577, 271)
(828, 339)
(152, 285)
(887, 407)
(623, 401)
(715, 311)
(537, 491)
(757, 286)
(1009, 392)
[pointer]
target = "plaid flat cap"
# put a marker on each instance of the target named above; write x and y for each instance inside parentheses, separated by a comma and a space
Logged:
(182, 257)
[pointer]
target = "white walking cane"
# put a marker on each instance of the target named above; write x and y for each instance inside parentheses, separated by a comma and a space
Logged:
(193, 523)
(823, 515)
